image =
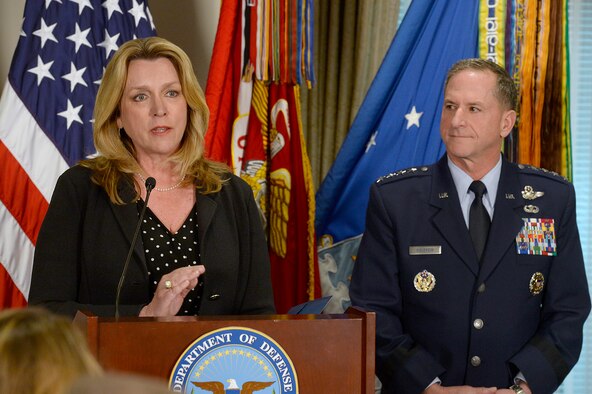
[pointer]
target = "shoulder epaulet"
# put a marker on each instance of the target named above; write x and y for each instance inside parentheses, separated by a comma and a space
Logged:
(423, 170)
(542, 171)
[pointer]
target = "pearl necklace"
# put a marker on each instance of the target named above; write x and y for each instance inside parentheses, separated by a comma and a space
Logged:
(165, 189)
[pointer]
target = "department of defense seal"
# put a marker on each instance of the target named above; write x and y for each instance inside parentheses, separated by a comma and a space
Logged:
(234, 360)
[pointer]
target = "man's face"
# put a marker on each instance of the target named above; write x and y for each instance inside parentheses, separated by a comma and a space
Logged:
(474, 122)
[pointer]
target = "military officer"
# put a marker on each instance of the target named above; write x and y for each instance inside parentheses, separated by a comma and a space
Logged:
(473, 295)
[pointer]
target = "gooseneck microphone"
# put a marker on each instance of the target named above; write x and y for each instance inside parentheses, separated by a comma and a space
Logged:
(150, 184)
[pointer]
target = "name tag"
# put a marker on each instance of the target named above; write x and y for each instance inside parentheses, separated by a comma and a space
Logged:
(425, 250)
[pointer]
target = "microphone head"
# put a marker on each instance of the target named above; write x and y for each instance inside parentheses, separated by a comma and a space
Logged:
(150, 184)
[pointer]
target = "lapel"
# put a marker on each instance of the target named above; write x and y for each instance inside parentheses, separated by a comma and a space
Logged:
(206, 206)
(448, 219)
(507, 218)
(126, 216)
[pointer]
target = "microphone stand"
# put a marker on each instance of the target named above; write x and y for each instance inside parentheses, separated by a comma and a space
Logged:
(149, 184)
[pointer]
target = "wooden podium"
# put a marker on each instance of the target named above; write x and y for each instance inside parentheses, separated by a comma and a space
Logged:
(330, 353)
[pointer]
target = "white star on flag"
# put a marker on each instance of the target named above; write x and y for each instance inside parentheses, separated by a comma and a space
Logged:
(372, 141)
(45, 33)
(75, 76)
(112, 6)
(413, 118)
(23, 34)
(150, 19)
(48, 2)
(109, 43)
(42, 70)
(98, 81)
(71, 114)
(138, 12)
(79, 38)
(82, 4)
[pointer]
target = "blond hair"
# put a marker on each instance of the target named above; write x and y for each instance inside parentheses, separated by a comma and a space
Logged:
(41, 353)
(116, 153)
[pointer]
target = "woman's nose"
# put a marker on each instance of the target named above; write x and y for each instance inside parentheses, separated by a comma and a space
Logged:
(159, 108)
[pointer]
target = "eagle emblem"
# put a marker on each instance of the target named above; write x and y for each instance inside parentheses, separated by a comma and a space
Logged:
(218, 387)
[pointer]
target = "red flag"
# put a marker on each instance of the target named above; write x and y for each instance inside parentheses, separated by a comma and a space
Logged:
(223, 81)
(255, 127)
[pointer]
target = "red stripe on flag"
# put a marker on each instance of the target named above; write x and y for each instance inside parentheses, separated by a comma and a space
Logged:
(10, 296)
(20, 195)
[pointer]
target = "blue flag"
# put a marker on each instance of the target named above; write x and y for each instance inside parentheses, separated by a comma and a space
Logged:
(396, 127)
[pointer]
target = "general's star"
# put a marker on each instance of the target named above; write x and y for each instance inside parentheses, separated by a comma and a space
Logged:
(372, 141)
(138, 12)
(71, 114)
(42, 70)
(75, 76)
(112, 6)
(45, 32)
(79, 38)
(110, 43)
(82, 4)
(413, 118)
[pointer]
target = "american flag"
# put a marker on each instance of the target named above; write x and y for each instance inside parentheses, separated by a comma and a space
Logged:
(46, 114)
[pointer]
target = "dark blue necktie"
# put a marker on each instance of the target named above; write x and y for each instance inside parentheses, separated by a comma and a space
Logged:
(479, 220)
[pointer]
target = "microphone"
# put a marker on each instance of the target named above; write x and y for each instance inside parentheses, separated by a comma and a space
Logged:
(150, 183)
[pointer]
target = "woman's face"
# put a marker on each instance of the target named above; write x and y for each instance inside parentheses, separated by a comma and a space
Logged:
(153, 110)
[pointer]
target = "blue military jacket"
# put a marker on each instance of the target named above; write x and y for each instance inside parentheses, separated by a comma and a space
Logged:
(442, 314)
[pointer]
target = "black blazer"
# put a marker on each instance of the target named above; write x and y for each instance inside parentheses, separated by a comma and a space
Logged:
(469, 324)
(84, 241)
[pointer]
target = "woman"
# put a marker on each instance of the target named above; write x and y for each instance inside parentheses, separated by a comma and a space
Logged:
(41, 353)
(202, 249)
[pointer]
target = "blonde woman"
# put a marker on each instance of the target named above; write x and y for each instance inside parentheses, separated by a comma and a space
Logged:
(202, 249)
(41, 353)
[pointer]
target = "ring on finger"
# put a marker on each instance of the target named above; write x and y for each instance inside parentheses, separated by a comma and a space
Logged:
(168, 284)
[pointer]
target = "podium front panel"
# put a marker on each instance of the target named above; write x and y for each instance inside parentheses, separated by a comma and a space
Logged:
(330, 353)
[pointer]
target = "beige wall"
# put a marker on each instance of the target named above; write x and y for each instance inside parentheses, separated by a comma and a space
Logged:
(191, 24)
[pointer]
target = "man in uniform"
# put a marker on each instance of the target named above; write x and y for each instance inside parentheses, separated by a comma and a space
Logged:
(473, 295)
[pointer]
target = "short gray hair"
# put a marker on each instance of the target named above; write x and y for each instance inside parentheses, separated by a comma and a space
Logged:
(506, 91)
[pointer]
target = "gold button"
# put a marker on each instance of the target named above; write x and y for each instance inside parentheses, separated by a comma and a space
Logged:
(475, 361)
(481, 288)
(478, 324)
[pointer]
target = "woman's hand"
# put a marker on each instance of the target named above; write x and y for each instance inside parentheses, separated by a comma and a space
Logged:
(172, 290)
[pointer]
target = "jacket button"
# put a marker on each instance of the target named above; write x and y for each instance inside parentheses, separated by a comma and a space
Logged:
(475, 361)
(478, 324)
(214, 297)
(481, 288)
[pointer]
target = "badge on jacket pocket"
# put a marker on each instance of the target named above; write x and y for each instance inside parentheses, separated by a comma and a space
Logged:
(537, 237)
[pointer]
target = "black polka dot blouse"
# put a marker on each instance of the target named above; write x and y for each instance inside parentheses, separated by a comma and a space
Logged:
(166, 252)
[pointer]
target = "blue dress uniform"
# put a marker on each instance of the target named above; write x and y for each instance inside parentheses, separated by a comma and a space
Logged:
(442, 314)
